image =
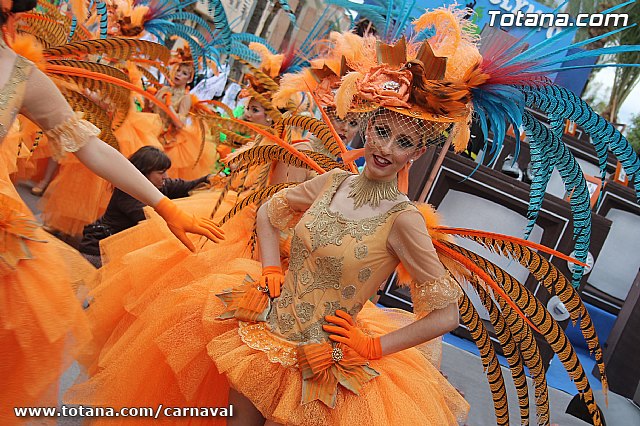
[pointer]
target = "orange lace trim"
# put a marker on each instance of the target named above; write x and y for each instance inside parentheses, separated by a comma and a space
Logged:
(257, 336)
(434, 295)
(71, 135)
(280, 214)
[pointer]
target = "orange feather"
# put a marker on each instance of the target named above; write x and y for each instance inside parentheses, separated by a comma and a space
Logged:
(484, 277)
(76, 72)
(530, 244)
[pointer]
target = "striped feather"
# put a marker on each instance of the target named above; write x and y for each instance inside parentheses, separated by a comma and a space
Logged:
(472, 321)
(92, 113)
(450, 250)
(528, 347)
(101, 8)
(335, 135)
(575, 184)
(52, 32)
(510, 351)
(265, 81)
(147, 74)
(549, 328)
(555, 283)
(79, 74)
(227, 125)
(256, 197)
(273, 113)
(117, 96)
(203, 140)
(219, 104)
(270, 137)
(324, 161)
(116, 47)
(265, 154)
(558, 100)
(216, 11)
(317, 127)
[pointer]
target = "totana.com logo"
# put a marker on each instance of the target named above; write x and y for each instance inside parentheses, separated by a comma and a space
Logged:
(546, 20)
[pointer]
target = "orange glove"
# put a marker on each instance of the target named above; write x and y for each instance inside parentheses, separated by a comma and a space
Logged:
(352, 336)
(272, 278)
(180, 223)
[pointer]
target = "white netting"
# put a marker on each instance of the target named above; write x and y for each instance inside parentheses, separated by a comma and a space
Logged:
(407, 132)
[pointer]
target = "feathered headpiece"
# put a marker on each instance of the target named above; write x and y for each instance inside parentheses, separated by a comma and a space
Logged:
(182, 55)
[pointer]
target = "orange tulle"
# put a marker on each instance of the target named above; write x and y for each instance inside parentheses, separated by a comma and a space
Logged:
(191, 158)
(42, 326)
(176, 347)
(77, 196)
(146, 260)
(74, 198)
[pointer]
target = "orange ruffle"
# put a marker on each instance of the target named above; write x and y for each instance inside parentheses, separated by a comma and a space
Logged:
(176, 347)
(75, 198)
(189, 159)
(42, 325)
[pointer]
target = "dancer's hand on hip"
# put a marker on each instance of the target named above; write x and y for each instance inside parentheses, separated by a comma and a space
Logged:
(345, 331)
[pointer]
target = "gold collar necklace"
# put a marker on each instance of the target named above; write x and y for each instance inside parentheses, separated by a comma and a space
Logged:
(371, 192)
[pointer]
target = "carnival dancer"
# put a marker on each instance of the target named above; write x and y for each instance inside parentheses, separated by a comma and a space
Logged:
(191, 155)
(302, 346)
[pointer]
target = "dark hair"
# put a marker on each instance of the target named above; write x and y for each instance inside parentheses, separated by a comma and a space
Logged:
(17, 7)
(150, 159)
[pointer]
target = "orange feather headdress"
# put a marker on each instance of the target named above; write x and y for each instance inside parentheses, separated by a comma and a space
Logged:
(428, 80)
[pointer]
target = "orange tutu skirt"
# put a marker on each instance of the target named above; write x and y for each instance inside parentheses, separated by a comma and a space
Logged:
(176, 347)
(189, 158)
(42, 324)
(146, 260)
(75, 197)
(138, 130)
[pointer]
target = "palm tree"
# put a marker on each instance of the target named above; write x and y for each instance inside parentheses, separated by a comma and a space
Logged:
(258, 11)
(626, 77)
(275, 7)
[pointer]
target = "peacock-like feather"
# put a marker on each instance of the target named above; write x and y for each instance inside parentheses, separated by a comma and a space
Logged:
(558, 100)
(101, 9)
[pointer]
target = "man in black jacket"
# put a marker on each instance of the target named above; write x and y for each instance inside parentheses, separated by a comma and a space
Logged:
(124, 211)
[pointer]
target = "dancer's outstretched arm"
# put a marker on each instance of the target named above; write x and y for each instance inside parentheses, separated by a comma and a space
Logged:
(45, 105)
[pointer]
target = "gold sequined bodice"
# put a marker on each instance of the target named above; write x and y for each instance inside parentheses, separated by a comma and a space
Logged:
(11, 95)
(335, 263)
